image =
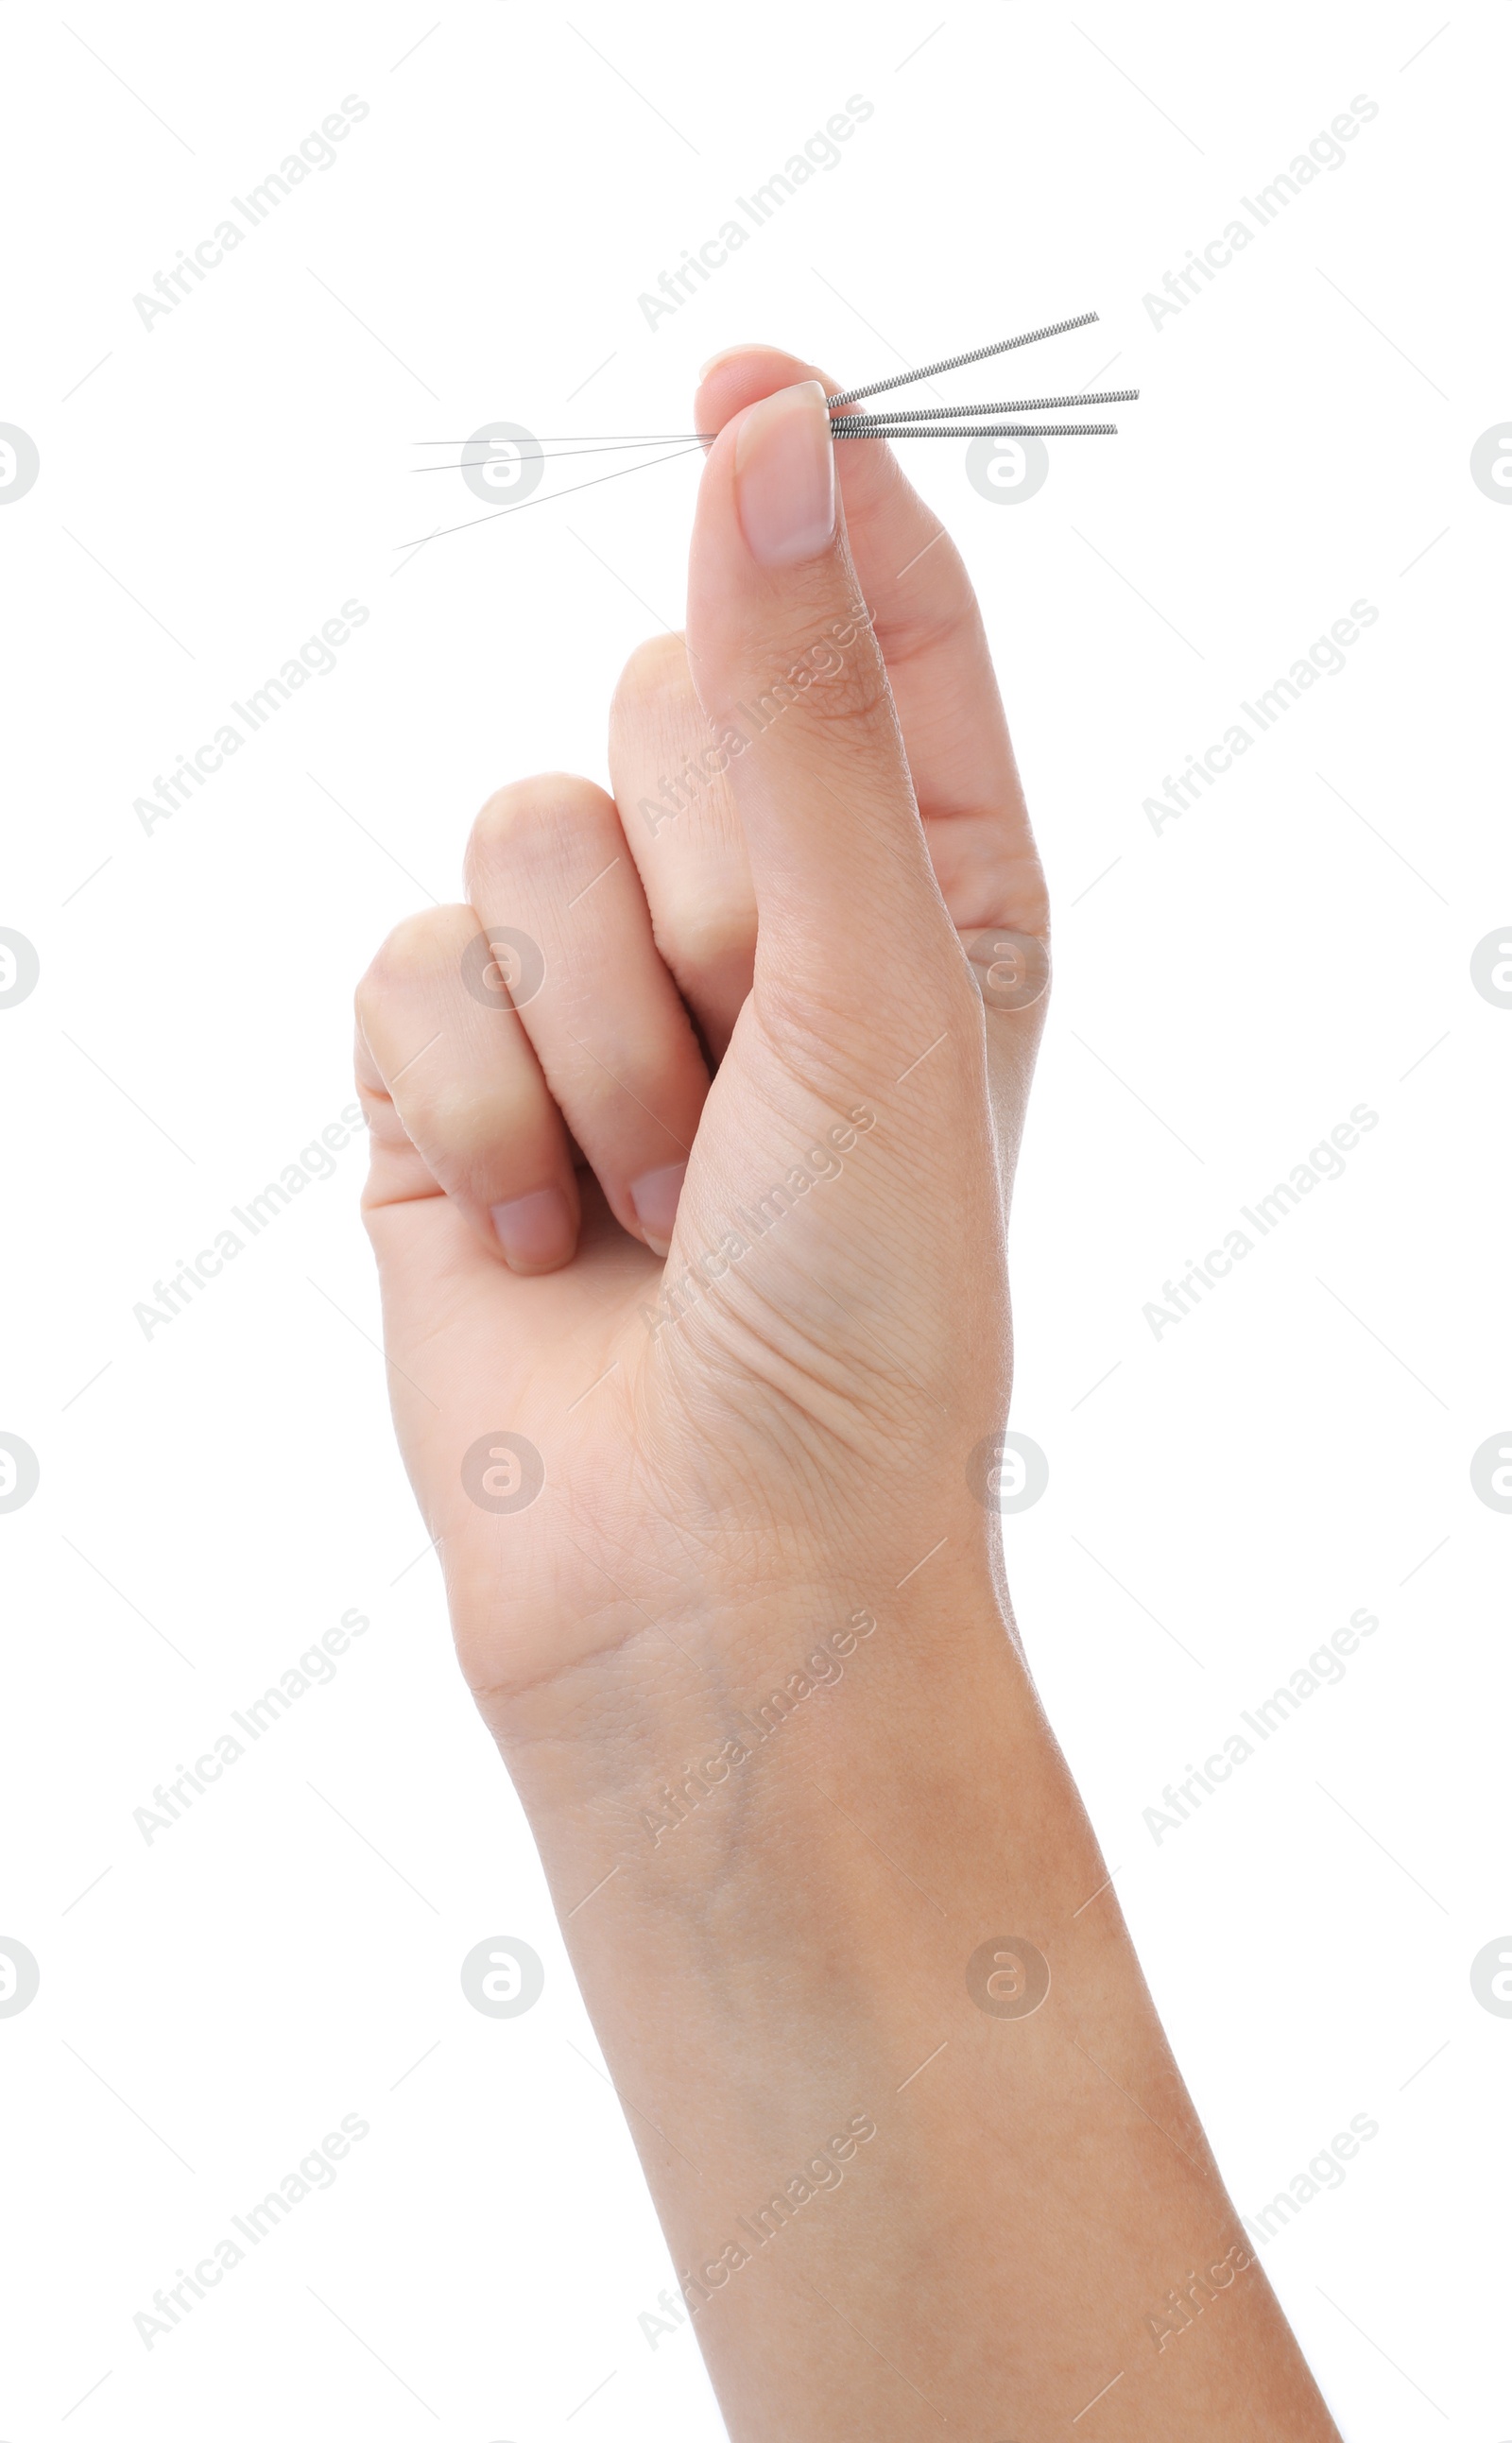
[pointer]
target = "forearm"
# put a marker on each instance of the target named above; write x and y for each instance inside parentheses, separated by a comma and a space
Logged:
(792, 1941)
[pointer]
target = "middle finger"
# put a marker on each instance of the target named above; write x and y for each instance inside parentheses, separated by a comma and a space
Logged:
(547, 859)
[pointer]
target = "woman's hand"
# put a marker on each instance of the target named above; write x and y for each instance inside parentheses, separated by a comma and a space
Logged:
(707, 1451)
(754, 1341)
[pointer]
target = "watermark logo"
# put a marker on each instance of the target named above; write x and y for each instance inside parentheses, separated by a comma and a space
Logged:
(19, 1976)
(503, 1977)
(1325, 1668)
(317, 2170)
(1007, 1977)
(825, 2170)
(316, 1668)
(1491, 1472)
(1185, 2303)
(503, 969)
(315, 154)
(502, 463)
(1008, 1471)
(1490, 1976)
(823, 660)
(1490, 967)
(20, 1471)
(820, 152)
(316, 1161)
(1323, 154)
(19, 964)
(822, 1668)
(1007, 471)
(502, 1472)
(1326, 2171)
(1012, 970)
(1325, 1161)
(316, 658)
(751, 1222)
(1324, 658)
(19, 464)
(1490, 463)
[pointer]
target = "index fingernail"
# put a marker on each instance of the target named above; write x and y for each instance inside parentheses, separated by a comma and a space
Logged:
(654, 1197)
(535, 1231)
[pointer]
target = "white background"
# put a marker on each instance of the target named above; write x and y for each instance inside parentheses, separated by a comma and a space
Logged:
(212, 490)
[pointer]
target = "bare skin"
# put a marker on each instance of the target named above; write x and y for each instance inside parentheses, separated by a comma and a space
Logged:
(905, 2188)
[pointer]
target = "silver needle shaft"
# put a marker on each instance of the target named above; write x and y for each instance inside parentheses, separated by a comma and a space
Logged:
(948, 364)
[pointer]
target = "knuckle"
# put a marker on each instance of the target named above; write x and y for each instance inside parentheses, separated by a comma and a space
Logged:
(828, 687)
(702, 936)
(465, 1124)
(407, 957)
(857, 692)
(945, 620)
(529, 821)
(657, 670)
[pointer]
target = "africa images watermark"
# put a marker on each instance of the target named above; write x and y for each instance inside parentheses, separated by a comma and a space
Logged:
(316, 658)
(820, 152)
(809, 1170)
(1180, 2303)
(316, 1161)
(1326, 2170)
(825, 660)
(1324, 1668)
(1324, 659)
(825, 2171)
(1324, 1162)
(823, 1669)
(1325, 153)
(315, 1668)
(315, 152)
(317, 2170)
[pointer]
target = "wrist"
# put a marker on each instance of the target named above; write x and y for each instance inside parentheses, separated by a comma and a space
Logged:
(706, 1691)
(791, 1741)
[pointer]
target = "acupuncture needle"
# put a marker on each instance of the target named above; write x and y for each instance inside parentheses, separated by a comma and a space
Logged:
(948, 364)
(971, 431)
(847, 427)
(887, 424)
(534, 457)
(888, 417)
(989, 407)
(855, 429)
(540, 499)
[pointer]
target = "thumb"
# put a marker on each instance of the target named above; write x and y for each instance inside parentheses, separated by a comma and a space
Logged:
(787, 669)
